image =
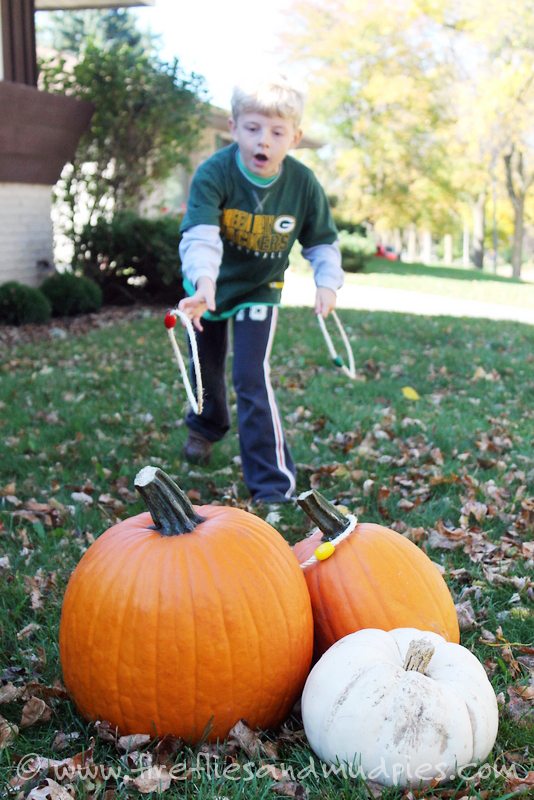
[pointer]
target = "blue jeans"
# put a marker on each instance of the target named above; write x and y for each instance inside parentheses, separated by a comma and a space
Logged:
(268, 468)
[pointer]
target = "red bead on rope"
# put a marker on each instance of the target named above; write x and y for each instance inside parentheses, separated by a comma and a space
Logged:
(170, 320)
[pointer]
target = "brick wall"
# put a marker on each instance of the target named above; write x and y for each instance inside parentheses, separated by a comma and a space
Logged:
(25, 232)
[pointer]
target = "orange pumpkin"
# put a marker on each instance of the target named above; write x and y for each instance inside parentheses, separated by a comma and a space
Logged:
(186, 619)
(376, 578)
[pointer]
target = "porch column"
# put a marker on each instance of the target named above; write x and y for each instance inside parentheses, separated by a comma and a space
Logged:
(18, 61)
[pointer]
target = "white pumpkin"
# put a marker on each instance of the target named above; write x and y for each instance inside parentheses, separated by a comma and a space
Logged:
(405, 707)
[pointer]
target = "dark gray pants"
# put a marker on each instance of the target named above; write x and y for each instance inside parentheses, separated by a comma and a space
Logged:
(268, 468)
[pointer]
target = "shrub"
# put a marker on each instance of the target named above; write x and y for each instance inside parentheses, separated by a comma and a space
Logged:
(349, 226)
(355, 250)
(72, 294)
(20, 304)
(132, 258)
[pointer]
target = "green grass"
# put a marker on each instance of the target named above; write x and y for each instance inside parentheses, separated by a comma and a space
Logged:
(467, 284)
(85, 414)
(446, 281)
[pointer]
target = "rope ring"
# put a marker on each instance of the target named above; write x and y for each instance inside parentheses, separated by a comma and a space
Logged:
(353, 521)
(170, 322)
(350, 370)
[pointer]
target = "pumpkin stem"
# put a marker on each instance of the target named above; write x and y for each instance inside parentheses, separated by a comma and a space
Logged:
(168, 505)
(323, 513)
(418, 656)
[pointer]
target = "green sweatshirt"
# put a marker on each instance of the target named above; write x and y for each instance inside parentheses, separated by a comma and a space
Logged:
(258, 226)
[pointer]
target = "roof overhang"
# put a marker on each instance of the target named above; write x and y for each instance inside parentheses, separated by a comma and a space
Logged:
(71, 5)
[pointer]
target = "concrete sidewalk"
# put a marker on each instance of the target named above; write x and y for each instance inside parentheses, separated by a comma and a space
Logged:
(299, 290)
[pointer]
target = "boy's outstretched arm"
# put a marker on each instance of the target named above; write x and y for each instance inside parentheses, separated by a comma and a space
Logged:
(201, 252)
(325, 260)
(325, 301)
(203, 300)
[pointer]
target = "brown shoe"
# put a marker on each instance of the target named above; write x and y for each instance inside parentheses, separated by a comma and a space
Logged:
(197, 449)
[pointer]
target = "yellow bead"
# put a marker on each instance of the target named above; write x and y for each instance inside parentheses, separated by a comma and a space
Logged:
(324, 551)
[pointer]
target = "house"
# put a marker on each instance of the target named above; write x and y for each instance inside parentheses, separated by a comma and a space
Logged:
(39, 133)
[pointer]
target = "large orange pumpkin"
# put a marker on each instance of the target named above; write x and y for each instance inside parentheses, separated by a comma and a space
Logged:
(186, 619)
(376, 578)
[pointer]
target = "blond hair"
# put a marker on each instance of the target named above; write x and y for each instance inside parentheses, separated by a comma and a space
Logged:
(274, 97)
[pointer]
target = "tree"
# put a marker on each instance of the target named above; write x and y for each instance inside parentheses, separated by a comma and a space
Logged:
(427, 103)
(377, 83)
(518, 183)
(70, 31)
(495, 103)
(147, 118)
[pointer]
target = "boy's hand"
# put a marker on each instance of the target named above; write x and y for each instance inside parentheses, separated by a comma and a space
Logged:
(325, 301)
(203, 300)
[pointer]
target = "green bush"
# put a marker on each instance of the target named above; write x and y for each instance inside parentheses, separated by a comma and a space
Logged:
(20, 304)
(72, 294)
(355, 250)
(132, 258)
(349, 226)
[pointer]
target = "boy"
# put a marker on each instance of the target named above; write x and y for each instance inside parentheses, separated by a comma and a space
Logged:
(248, 203)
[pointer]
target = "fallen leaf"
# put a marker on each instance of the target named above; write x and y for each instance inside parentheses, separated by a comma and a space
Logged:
(137, 761)
(8, 732)
(446, 538)
(27, 631)
(167, 749)
(37, 585)
(106, 731)
(34, 765)
(9, 693)
(155, 779)
(290, 789)
(82, 497)
(273, 518)
(410, 393)
(405, 504)
(521, 710)
(368, 487)
(415, 535)
(245, 738)
(487, 637)
(34, 711)
(33, 689)
(50, 791)
(62, 740)
(466, 616)
(508, 656)
(437, 456)
(519, 785)
(475, 509)
(126, 744)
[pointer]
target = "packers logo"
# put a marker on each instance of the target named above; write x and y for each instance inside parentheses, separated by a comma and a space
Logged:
(284, 224)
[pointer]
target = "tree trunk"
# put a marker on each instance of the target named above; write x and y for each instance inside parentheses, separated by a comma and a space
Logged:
(519, 230)
(494, 235)
(447, 249)
(479, 227)
(517, 185)
(426, 247)
(465, 246)
(411, 244)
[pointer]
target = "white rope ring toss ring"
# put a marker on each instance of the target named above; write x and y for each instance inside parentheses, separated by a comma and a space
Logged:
(350, 370)
(170, 322)
(326, 549)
